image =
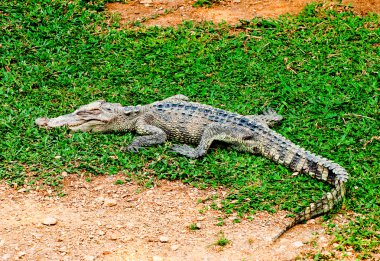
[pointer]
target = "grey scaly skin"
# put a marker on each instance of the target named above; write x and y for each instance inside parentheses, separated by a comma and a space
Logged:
(176, 118)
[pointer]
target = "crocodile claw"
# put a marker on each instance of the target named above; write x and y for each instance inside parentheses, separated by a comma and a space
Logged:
(132, 149)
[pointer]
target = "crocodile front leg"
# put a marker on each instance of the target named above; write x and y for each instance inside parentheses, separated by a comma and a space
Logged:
(215, 132)
(153, 136)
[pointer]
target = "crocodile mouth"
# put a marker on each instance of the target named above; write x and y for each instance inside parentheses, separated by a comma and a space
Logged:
(68, 120)
(98, 116)
(72, 121)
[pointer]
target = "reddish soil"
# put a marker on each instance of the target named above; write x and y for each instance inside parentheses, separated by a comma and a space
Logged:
(174, 12)
(99, 220)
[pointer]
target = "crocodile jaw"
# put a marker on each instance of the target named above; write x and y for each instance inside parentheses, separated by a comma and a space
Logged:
(72, 121)
(95, 117)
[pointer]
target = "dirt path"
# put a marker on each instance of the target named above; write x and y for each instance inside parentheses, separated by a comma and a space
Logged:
(173, 12)
(99, 220)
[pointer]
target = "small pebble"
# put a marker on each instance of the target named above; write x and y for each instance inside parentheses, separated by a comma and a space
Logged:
(37, 236)
(110, 202)
(174, 247)
(164, 239)
(89, 258)
(113, 236)
(157, 258)
(62, 249)
(126, 239)
(38, 225)
(99, 188)
(297, 244)
(49, 221)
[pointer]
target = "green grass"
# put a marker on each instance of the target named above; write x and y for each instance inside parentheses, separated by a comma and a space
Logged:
(208, 3)
(194, 226)
(320, 70)
(222, 240)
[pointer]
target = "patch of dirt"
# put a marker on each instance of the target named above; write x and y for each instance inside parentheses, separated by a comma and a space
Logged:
(174, 12)
(99, 220)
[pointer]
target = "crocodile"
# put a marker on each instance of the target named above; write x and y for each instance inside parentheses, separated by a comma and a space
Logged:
(176, 118)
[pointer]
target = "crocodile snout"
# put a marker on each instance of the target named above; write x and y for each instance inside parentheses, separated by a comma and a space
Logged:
(42, 122)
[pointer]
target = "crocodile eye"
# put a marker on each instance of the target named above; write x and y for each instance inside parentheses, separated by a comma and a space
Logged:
(128, 111)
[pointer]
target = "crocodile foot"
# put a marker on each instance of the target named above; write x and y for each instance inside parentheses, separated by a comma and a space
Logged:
(186, 150)
(131, 148)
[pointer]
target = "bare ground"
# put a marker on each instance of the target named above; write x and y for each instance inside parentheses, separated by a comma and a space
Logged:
(103, 221)
(99, 220)
(174, 12)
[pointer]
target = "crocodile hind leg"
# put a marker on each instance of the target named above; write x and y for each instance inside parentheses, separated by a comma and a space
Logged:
(215, 132)
(269, 117)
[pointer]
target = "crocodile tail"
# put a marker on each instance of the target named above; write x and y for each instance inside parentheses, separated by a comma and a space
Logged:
(281, 150)
(276, 147)
(319, 207)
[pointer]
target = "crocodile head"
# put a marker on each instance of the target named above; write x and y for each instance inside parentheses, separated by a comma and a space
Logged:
(98, 116)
